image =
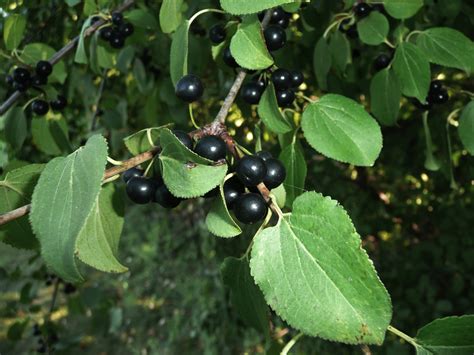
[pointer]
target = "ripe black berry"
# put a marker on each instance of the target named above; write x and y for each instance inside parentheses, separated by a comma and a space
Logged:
(68, 289)
(382, 61)
(438, 97)
(233, 188)
(285, 97)
(184, 138)
(106, 33)
(277, 14)
(251, 92)
(165, 198)
(40, 107)
(39, 80)
(264, 155)
(117, 40)
(189, 88)
(22, 87)
(275, 37)
(126, 29)
(140, 189)
(281, 78)
(251, 170)
(117, 18)
(250, 208)
(284, 22)
(59, 103)
(217, 34)
(261, 83)
(228, 59)
(9, 80)
(130, 173)
(297, 78)
(21, 75)
(362, 9)
(211, 147)
(44, 68)
(436, 85)
(352, 32)
(276, 173)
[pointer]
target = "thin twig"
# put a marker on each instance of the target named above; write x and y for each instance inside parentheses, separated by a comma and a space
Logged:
(97, 102)
(68, 48)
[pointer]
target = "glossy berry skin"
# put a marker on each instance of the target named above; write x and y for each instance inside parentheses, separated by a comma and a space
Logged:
(184, 138)
(382, 61)
(40, 107)
(189, 88)
(438, 97)
(281, 78)
(277, 15)
(285, 97)
(22, 87)
(130, 173)
(217, 34)
(140, 189)
(21, 75)
(261, 84)
(436, 85)
(39, 80)
(250, 208)
(233, 188)
(126, 29)
(251, 92)
(59, 103)
(297, 78)
(211, 147)
(106, 33)
(276, 173)
(165, 198)
(275, 37)
(116, 40)
(228, 59)
(44, 68)
(117, 18)
(362, 9)
(284, 22)
(264, 155)
(251, 170)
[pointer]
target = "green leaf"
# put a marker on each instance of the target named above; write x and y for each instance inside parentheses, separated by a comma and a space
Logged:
(373, 29)
(15, 191)
(293, 159)
(243, 7)
(244, 294)
(97, 242)
(143, 18)
(340, 50)
(81, 54)
(385, 96)
(315, 274)
(185, 173)
(322, 62)
(13, 31)
(450, 335)
(140, 76)
(170, 15)
(280, 195)
(50, 135)
(15, 127)
(447, 47)
(248, 45)
(179, 53)
(413, 70)
(34, 52)
(401, 9)
(219, 221)
(270, 114)
(16, 330)
(466, 127)
(62, 202)
(341, 129)
(139, 143)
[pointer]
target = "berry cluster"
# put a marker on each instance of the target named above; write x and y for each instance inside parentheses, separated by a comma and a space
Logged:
(41, 107)
(47, 337)
(21, 78)
(117, 32)
(437, 95)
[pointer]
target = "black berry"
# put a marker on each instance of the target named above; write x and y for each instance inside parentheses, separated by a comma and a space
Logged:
(39, 80)
(285, 97)
(362, 9)
(211, 147)
(36, 330)
(22, 87)
(352, 32)
(382, 61)
(436, 85)
(228, 59)
(275, 37)
(277, 14)
(21, 75)
(44, 68)
(251, 92)
(40, 107)
(126, 29)
(59, 103)
(9, 80)
(117, 40)
(217, 34)
(284, 22)
(233, 188)
(68, 289)
(184, 138)
(251, 170)
(264, 155)
(259, 82)
(250, 208)
(281, 78)
(140, 189)
(420, 106)
(438, 97)
(297, 78)
(276, 173)
(117, 18)
(165, 198)
(130, 173)
(106, 33)
(189, 88)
